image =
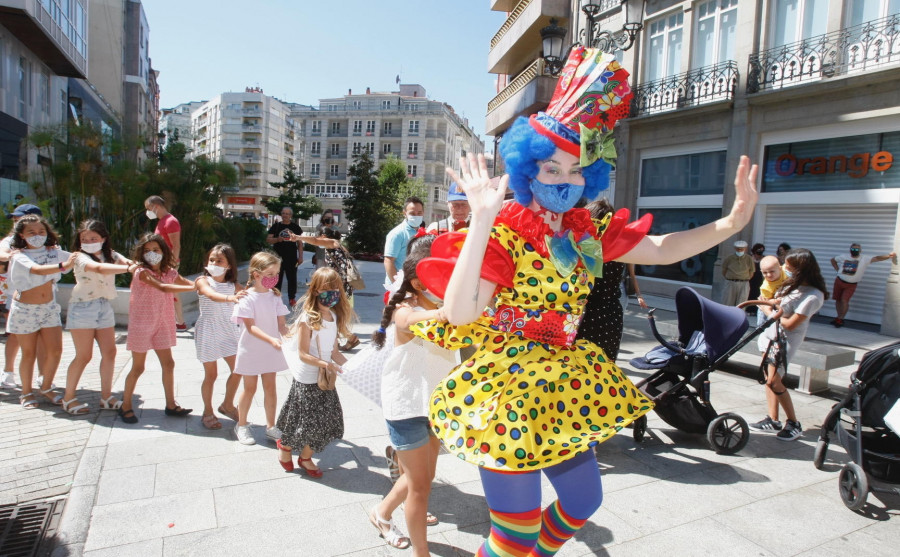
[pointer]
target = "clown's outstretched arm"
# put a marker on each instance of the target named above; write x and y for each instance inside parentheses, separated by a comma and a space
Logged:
(467, 293)
(670, 248)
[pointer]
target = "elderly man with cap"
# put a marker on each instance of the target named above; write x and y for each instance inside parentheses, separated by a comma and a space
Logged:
(737, 269)
(458, 205)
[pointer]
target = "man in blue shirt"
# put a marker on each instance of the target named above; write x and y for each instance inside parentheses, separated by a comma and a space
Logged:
(398, 238)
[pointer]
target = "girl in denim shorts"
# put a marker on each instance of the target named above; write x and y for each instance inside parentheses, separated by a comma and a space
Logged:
(90, 316)
(34, 271)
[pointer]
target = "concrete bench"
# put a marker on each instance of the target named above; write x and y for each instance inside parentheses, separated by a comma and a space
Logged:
(815, 359)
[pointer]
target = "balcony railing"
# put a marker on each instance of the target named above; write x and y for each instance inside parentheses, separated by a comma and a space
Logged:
(510, 20)
(338, 155)
(862, 47)
(696, 87)
(525, 77)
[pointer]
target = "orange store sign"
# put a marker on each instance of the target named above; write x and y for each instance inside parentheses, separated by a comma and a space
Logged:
(855, 166)
(242, 200)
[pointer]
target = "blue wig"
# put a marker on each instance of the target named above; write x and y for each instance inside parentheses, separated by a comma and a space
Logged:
(522, 147)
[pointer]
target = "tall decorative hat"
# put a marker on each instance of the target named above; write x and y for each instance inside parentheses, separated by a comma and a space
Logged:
(592, 94)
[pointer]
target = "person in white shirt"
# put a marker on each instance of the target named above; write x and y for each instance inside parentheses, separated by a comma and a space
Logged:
(850, 272)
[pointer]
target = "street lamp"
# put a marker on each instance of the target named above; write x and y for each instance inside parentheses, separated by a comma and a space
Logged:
(553, 36)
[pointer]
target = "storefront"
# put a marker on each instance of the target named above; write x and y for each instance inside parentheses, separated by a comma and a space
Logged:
(243, 205)
(825, 188)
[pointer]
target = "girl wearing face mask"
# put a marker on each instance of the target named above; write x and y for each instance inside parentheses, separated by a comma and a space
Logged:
(34, 269)
(216, 336)
(90, 315)
(260, 315)
(412, 370)
(312, 418)
(151, 320)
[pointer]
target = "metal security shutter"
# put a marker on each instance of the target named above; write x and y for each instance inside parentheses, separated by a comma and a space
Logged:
(828, 230)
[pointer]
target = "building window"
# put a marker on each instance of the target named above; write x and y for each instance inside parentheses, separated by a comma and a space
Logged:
(314, 169)
(697, 269)
(414, 127)
(44, 93)
(315, 148)
(357, 105)
(23, 87)
(335, 148)
(413, 150)
(387, 128)
(370, 148)
(315, 127)
(370, 127)
(857, 162)
(334, 171)
(664, 50)
(411, 170)
(695, 174)
(357, 147)
(795, 20)
(357, 126)
(715, 32)
(861, 11)
(386, 148)
(335, 127)
(385, 105)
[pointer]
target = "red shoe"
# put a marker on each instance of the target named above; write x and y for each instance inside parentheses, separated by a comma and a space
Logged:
(312, 473)
(181, 327)
(292, 302)
(289, 465)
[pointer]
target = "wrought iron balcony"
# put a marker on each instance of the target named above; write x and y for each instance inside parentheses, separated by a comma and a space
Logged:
(862, 47)
(696, 87)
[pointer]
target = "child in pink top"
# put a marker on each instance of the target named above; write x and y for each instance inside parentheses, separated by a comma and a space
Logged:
(151, 320)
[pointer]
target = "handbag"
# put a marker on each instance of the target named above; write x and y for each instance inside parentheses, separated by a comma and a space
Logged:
(353, 275)
(327, 377)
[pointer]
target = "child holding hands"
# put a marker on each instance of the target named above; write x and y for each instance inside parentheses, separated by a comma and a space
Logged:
(151, 320)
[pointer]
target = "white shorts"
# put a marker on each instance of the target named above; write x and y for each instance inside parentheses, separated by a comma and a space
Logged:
(25, 319)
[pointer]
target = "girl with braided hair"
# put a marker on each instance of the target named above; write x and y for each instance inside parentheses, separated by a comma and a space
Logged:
(411, 372)
(533, 398)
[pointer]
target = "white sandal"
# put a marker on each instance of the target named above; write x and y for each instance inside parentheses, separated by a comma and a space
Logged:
(394, 537)
(53, 396)
(105, 405)
(79, 410)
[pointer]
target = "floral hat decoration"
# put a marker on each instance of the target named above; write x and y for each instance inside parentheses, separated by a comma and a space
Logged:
(592, 94)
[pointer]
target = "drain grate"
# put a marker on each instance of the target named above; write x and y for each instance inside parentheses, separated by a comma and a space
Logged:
(23, 527)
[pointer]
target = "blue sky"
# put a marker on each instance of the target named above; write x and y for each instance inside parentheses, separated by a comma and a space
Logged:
(304, 50)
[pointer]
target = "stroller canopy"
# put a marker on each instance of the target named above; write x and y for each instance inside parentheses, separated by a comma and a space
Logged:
(722, 326)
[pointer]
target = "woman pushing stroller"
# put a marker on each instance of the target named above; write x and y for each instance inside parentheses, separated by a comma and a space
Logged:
(533, 398)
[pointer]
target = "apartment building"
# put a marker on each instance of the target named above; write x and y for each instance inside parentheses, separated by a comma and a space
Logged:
(427, 135)
(175, 123)
(806, 88)
(253, 131)
(42, 44)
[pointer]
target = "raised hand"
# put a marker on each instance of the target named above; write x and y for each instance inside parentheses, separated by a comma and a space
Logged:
(485, 196)
(746, 194)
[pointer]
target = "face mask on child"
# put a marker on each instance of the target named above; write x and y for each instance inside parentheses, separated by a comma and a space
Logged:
(153, 257)
(150, 214)
(215, 270)
(432, 298)
(36, 241)
(269, 282)
(92, 248)
(787, 274)
(330, 298)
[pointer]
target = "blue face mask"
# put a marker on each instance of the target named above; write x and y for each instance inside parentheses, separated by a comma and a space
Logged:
(330, 298)
(557, 198)
(787, 274)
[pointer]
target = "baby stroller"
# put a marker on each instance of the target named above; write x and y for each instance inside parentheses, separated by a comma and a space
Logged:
(862, 424)
(708, 334)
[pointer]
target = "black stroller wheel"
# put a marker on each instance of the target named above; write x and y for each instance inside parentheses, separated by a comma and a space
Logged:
(819, 455)
(728, 433)
(639, 427)
(853, 485)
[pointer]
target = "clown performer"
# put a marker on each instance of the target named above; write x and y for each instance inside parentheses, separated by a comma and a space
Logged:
(533, 399)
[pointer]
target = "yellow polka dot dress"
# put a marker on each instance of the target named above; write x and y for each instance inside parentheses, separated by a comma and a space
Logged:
(531, 396)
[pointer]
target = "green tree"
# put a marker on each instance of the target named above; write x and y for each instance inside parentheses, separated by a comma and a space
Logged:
(292, 195)
(369, 207)
(394, 179)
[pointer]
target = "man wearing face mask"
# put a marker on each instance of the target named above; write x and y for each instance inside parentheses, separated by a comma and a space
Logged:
(398, 238)
(170, 229)
(737, 270)
(850, 271)
(280, 237)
